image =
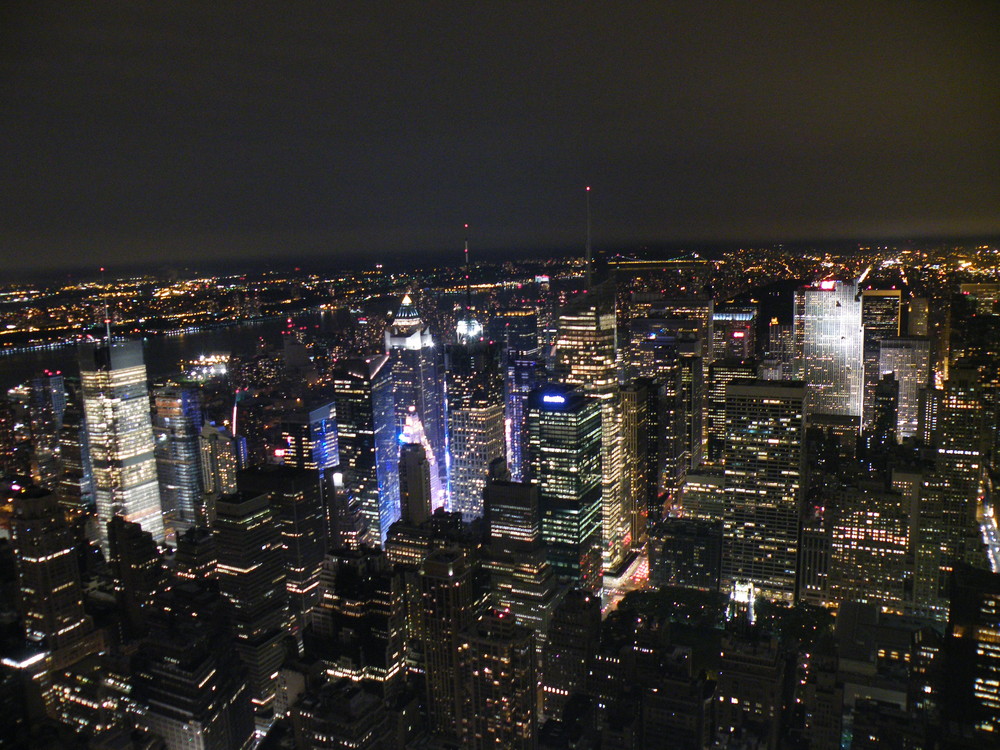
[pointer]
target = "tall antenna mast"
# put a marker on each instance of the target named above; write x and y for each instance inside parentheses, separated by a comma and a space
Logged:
(107, 312)
(468, 284)
(589, 260)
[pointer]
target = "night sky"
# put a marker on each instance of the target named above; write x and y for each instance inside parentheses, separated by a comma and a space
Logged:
(179, 132)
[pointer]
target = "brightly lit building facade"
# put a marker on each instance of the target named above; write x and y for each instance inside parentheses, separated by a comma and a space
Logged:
(586, 350)
(120, 437)
(564, 449)
(764, 478)
(909, 360)
(417, 382)
(828, 339)
(881, 318)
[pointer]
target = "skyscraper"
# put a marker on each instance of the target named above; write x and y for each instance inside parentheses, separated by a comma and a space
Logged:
(251, 577)
(572, 643)
(828, 338)
(368, 440)
(46, 404)
(881, 318)
(310, 437)
(523, 581)
(564, 449)
(417, 382)
(475, 417)
(909, 360)
(219, 465)
(120, 437)
(189, 686)
(446, 591)
(138, 570)
(952, 491)
(586, 354)
(498, 664)
(414, 484)
(176, 426)
(76, 486)
(517, 331)
(764, 483)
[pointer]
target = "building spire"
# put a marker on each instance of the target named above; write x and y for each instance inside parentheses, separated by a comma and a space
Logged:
(468, 287)
(107, 312)
(589, 259)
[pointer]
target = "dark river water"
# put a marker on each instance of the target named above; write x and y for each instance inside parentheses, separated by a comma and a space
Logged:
(163, 353)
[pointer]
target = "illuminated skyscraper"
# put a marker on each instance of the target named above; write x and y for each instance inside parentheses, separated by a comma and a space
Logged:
(46, 404)
(564, 450)
(498, 664)
(417, 382)
(368, 440)
(586, 357)
(176, 426)
(720, 374)
(51, 596)
(764, 479)
(446, 591)
(734, 331)
(952, 491)
(881, 318)
(475, 411)
(310, 437)
(523, 581)
(76, 485)
(828, 337)
(219, 464)
(120, 437)
(909, 360)
(517, 332)
(251, 577)
(298, 505)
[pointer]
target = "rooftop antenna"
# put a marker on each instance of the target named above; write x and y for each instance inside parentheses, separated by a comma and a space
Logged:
(107, 312)
(468, 286)
(589, 259)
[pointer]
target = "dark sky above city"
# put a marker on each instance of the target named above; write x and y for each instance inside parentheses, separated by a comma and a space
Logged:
(183, 132)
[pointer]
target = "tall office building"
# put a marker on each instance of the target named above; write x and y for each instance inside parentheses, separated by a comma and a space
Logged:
(368, 440)
(523, 581)
(414, 484)
(972, 686)
(358, 628)
(76, 485)
(219, 466)
(881, 318)
(734, 331)
(586, 352)
(869, 548)
(909, 360)
(498, 664)
(138, 571)
(475, 416)
(764, 465)
(417, 383)
(720, 374)
(46, 404)
(189, 686)
(952, 491)
(564, 449)
(446, 591)
(517, 332)
(573, 641)
(310, 437)
(120, 437)
(251, 575)
(51, 596)
(298, 505)
(828, 339)
(177, 424)
(881, 436)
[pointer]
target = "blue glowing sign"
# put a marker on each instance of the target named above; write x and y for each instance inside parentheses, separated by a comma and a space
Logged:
(550, 398)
